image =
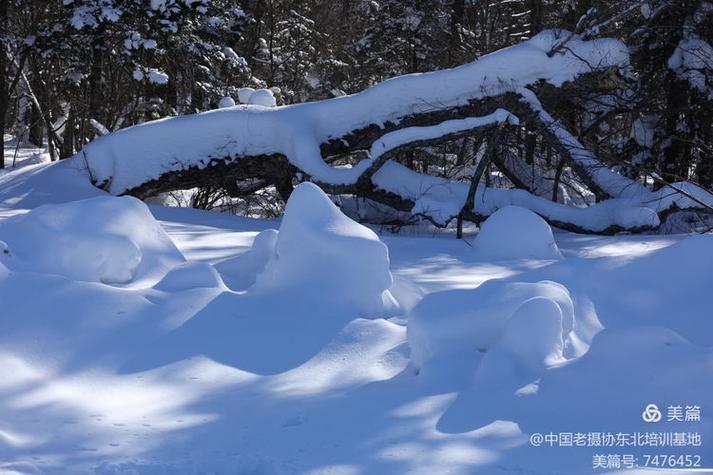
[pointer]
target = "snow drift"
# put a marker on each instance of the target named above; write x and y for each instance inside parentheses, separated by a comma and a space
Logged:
(531, 342)
(103, 239)
(513, 232)
(624, 370)
(190, 275)
(667, 282)
(241, 271)
(456, 327)
(321, 254)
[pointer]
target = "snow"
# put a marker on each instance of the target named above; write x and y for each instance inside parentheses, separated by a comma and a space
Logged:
(262, 97)
(643, 130)
(692, 61)
(513, 232)
(531, 342)
(103, 239)
(322, 255)
(610, 182)
(450, 330)
(242, 271)
(153, 75)
(244, 94)
(258, 97)
(392, 140)
(190, 275)
(156, 76)
(190, 375)
(240, 348)
(134, 155)
(34, 184)
(442, 200)
(226, 101)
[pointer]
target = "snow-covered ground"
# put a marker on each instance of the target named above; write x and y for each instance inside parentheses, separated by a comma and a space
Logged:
(146, 340)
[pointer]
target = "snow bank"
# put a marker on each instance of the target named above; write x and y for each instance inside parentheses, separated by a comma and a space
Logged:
(455, 325)
(513, 232)
(323, 255)
(103, 239)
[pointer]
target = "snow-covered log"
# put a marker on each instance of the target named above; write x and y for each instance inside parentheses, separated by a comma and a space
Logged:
(441, 200)
(274, 144)
(305, 133)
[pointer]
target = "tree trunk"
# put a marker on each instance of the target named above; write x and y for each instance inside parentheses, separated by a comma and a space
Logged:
(3, 79)
(95, 99)
(36, 126)
(68, 136)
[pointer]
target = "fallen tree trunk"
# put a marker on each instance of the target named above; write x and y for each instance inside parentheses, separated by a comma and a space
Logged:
(278, 145)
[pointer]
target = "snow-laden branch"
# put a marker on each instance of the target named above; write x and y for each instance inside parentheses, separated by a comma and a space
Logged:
(441, 200)
(603, 181)
(610, 184)
(692, 59)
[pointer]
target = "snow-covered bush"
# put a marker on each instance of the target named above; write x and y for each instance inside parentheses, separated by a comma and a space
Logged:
(513, 232)
(103, 239)
(458, 325)
(323, 255)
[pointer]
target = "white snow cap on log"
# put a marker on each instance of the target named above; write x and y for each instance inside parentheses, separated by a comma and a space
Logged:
(135, 155)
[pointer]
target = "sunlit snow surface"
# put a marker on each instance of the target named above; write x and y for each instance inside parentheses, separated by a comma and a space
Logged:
(195, 373)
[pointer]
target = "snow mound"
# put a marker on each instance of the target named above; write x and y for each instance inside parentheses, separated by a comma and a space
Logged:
(190, 275)
(103, 239)
(532, 341)
(534, 333)
(513, 232)
(323, 255)
(263, 97)
(226, 101)
(241, 271)
(244, 94)
(460, 325)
